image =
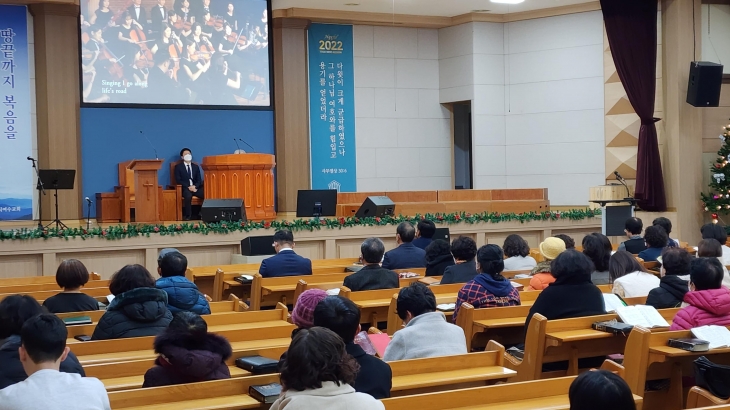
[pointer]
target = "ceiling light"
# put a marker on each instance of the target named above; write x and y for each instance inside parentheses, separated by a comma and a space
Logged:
(352, 4)
(508, 1)
(480, 11)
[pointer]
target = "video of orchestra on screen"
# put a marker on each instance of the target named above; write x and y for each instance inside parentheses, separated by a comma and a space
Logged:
(197, 52)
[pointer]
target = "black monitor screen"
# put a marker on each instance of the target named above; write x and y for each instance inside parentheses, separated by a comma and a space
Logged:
(175, 52)
(316, 202)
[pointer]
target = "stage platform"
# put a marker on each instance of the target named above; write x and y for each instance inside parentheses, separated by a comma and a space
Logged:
(41, 256)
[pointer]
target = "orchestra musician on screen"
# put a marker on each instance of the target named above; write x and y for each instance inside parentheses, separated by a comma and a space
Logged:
(176, 52)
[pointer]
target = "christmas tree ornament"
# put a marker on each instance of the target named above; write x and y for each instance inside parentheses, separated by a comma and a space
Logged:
(719, 177)
(706, 209)
(719, 207)
(714, 216)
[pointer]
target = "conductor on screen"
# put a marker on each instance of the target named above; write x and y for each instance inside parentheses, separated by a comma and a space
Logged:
(189, 176)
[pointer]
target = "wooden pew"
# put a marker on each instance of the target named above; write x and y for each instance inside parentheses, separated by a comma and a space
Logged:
(40, 287)
(99, 294)
(38, 280)
(539, 394)
(699, 397)
(218, 322)
(647, 357)
(219, 394)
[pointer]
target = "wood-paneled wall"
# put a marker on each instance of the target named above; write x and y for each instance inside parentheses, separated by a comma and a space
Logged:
(713, 119)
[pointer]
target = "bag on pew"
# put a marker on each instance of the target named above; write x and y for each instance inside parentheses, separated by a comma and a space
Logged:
(713, 377)
(258, 364)
(641, 315)
(265, 393)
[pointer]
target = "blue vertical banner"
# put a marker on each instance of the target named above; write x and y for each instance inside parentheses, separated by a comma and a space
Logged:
(16, 174)
(332, 107)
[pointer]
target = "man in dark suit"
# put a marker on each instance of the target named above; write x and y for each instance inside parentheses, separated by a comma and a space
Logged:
(342, 316)
(139, 14)
(189, 176)
(158, 15)
(406, 255)
(424, 234)
(285, 262)
(372, 276)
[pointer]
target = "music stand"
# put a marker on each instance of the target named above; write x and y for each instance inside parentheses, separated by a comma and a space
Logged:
(613, 218)
(57, 179)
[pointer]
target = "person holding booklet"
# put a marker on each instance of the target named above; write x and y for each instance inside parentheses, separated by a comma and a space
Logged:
(709, 301)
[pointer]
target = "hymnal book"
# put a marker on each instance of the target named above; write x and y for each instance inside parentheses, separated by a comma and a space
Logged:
(613, 326)
(517, 286)
(718, 336)
(641, 315)
(428, 281)
(333, 291)
(78, 320)
(258, 364)
(612, 301)
(265, 393)
(244, 279)
(690, 345)
(446, 307)
(380, 341)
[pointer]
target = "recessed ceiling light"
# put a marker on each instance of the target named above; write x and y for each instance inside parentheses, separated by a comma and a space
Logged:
(352, 4)
(508, 1)
(480, 11)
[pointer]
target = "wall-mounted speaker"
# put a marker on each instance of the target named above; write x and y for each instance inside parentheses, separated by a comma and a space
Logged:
(705, 81)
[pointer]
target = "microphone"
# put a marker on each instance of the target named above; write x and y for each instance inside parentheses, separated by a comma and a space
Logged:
(88, 200)
(30, 159)
(149, 142)
(237, 146)
(618, 176)
(249, 145)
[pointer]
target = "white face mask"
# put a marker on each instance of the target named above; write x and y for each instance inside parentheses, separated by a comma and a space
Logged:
(188, 157)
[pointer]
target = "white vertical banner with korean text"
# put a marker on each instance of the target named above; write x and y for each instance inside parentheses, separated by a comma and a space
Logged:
(332, 107)
(16, 174)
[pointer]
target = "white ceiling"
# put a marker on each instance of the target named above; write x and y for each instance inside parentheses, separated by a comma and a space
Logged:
(444, 8)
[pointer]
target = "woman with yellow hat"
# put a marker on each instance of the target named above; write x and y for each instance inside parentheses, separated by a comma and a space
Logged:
(550, 248)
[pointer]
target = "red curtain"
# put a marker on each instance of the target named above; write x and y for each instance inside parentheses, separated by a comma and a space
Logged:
(631, 26)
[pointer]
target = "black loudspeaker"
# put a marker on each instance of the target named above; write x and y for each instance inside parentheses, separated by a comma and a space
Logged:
(258, 245)
(376, 206)
(217, 210)
(705, 81)
(442, 233)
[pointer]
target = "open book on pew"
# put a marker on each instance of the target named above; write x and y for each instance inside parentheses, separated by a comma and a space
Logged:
(612, 302)
(641, 315)
(718, 336)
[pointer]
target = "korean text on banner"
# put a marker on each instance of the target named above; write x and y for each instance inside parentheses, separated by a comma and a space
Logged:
(332, 107)
(16, 185)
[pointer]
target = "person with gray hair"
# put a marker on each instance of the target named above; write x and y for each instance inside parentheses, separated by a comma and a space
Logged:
(372, 276)
(406, 255)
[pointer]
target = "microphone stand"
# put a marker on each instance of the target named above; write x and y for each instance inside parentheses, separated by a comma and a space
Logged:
(88, 215)
(41, 189)
(628, 191)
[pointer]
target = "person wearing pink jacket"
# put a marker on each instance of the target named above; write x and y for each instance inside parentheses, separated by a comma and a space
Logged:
(709, 301)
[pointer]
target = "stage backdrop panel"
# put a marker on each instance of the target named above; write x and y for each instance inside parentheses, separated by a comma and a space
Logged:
(332, 107)
(113, 135)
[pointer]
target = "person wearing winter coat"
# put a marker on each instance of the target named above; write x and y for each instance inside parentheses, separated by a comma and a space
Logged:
(708, 301)
(318, 374)
(138, 309)
(672, 285)
(438, 257)
(550, 248)
(188, 353)
(182, 294)
(15, 310)
(489, 288)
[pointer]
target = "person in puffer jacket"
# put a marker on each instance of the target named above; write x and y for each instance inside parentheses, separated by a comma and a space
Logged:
(188, 353)
(709, 301)
(182, 294)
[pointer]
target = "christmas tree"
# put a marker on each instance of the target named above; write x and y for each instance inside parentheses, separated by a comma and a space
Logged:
(718, 199)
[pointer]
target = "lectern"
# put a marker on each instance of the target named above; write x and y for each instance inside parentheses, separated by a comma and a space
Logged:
(613, 218)
(141, 193)
(246, 176)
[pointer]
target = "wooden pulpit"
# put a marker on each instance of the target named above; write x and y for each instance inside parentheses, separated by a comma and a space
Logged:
(247, 176)
(141, 193)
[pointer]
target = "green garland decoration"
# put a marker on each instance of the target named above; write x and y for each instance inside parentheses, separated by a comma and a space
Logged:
(136, 230)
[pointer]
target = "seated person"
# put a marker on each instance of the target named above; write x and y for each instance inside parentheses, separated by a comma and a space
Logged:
(672, 285)
(599, 390)
(285, 262)
(550, 248)
(711, 248)
(15, 310)
(717, 232)
(188, 353)
(71, 275)
(569, 242)
(138, 309)
(426, 332)
(438, 257)
(708, 300)
(632, 229)
(302, 316)
(406, 255)
(42, 350)
(598, 248)
(489, 288)
(517, 252)
(656, 240)
(342, 316)
(628, 277)
(424, 234)
(188, 175)
(372, 276)
(317, 373)
(667, 225)
(464, 250)
(182, 294)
